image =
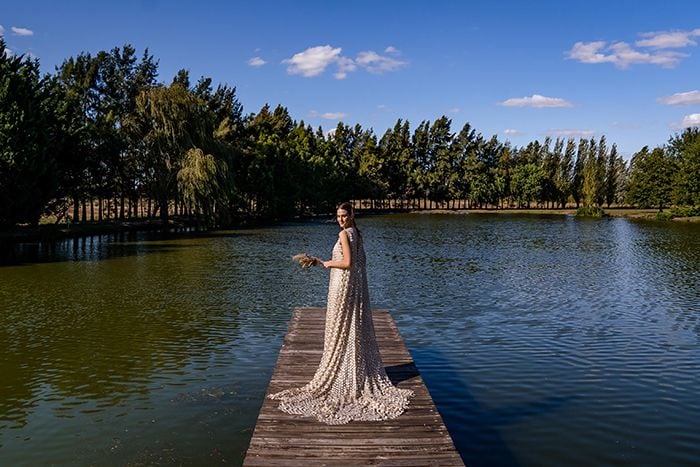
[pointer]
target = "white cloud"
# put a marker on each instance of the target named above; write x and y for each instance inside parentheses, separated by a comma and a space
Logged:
(392, 50)
(256, 62)
(2, 30)
(512, 132)
(668, 39)
(681, 98)
(626, 126)
(454, 110)
(9, 52)
(328, 115)
(334, 115)
(345, 65)
(589, 52)
(569, 132)
(312, 61)
(375, 63)
(622, 54)
(536, 101)
(689, 121)
(21, 31)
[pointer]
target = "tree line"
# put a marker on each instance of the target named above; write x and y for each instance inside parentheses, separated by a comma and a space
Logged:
(102, 138)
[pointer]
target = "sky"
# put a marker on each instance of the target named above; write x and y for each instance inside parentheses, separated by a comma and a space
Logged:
(521, 70)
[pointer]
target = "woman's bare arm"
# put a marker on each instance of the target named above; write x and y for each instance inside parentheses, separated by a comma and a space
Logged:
(346, 262)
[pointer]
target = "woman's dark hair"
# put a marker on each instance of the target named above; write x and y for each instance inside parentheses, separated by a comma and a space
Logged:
(347, 206)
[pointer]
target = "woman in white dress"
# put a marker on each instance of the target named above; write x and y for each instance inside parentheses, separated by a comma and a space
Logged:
(350, 382)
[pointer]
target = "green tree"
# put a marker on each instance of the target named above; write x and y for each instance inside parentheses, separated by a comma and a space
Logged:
(651, 176)
(28, 131)
(526, 183)
(168, 122)
(464, 151)
(685, 149)
(502, 176)
(397, 164)
(577, 176)
(591, 184)
(614, 177)
(600, 170)
(372, 171)
(550, 164)
(564, 173)
(121, 77)
(200, 182)
(420, 178)
(272, 178)
(84, 171)
(441, 168)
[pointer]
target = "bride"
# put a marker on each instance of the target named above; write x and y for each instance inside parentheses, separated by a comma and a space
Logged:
(350, 382)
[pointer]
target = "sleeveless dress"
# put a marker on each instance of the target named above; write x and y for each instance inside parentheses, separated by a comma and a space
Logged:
(350, 382)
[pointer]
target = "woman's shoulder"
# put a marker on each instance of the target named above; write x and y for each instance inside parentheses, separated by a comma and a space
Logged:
(351, 232)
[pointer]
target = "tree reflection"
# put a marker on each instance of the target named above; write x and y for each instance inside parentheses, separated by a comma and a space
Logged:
(102, 333)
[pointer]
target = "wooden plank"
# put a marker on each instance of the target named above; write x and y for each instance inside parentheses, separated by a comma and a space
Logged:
(418, 437)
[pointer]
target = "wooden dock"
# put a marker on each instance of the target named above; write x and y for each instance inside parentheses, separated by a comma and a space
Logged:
(416, 438)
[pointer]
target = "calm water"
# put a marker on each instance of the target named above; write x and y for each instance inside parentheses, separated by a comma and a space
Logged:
(545, 341)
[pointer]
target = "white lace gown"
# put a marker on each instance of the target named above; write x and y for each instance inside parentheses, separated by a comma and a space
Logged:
(350, 382)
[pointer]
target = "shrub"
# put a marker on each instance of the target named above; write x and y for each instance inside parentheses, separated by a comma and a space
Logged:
(685, 211)
(590, 211)
(664, 216)
(678, 211)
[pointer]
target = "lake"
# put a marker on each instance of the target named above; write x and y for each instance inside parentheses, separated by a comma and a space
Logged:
(544, 340)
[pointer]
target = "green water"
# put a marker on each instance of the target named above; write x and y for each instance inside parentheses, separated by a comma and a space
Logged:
(543, 340)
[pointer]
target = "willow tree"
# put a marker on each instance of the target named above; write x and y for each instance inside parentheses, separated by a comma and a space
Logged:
(168, 121)
(200, 184)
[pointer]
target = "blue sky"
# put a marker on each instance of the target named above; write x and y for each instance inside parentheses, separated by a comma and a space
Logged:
(629, 70)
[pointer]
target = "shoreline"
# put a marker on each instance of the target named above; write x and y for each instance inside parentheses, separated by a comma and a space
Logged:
(51, 232)
(612, 212)
(629, 213)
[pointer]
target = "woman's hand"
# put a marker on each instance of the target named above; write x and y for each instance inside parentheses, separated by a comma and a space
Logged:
(326, 264)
